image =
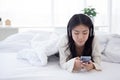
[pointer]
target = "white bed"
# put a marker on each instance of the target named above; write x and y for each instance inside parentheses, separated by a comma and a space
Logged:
(12, 68)
(15, 69)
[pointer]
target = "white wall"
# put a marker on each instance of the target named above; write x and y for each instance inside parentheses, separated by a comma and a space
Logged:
(115, 26)
(45, 13)
(56, 13)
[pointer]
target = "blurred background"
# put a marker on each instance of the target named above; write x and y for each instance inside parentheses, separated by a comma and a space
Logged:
(49, 14)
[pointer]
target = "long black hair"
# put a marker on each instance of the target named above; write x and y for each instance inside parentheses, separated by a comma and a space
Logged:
(76, 20)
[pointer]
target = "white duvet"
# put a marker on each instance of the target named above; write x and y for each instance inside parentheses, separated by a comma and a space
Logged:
(42, 46)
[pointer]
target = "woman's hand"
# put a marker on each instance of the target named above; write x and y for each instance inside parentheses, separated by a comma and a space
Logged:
(88, 65)
(77, 64)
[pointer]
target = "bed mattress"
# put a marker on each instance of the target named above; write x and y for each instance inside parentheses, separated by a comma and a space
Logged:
(12, 68)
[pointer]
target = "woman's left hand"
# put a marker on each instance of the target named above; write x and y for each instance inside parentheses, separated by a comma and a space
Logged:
(88, 66)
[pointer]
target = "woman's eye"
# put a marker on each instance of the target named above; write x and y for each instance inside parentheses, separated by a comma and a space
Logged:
(84, 33)
(76, 33)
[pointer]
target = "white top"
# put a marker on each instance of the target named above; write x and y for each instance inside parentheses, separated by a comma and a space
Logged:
(68, 65)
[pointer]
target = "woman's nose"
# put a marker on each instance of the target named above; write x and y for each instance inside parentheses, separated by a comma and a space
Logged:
(80, 36)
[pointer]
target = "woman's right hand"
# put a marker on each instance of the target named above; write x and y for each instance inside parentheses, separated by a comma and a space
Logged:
(77, 65)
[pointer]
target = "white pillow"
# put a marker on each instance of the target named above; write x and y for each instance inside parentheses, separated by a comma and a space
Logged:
(19, 41)
(112, 51)
(25, 36)
(16, 42)
(103, 39)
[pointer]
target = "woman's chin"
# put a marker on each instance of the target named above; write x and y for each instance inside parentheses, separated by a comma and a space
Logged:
(80, 44)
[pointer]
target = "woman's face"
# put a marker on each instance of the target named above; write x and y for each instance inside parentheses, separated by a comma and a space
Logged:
(80, 35)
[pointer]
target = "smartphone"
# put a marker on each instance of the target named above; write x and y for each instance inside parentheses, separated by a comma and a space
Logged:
(85, 58)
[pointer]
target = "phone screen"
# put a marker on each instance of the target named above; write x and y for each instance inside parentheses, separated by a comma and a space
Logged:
(85, 58)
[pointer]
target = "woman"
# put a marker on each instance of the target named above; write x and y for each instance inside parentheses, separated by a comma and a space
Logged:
(79, 41)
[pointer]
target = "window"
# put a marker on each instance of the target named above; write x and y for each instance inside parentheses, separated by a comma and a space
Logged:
(102, 19)
(101, 7)
(64, 9)
(50, 13)
(26, 13)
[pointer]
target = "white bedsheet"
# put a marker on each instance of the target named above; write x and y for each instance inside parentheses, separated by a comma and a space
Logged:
(13, 69)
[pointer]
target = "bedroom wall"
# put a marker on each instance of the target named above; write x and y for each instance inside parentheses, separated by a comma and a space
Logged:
(115, 26)
(56, 13)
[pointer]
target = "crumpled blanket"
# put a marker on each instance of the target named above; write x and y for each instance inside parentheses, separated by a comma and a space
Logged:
(41, 47)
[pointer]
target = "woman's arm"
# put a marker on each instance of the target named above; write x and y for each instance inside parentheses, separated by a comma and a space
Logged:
(96, 54)
(70, 65)
(64, 54)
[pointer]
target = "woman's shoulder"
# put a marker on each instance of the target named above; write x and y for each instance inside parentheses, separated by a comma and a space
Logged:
(95, 40)
(63, 40)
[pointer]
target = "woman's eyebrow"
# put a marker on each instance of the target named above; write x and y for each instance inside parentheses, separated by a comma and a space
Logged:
(76, 30)
(79, 31)
(85, 30)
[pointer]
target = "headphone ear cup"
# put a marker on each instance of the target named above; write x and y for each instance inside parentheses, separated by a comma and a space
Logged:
(70, 32)
(91, 34)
